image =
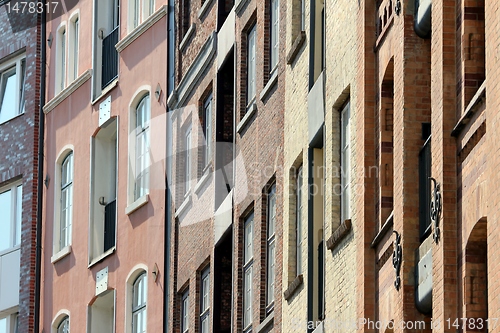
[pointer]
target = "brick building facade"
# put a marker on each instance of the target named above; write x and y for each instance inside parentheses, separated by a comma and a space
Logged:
(19, 124)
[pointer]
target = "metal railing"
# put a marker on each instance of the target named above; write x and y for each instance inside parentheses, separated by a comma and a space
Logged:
(109, 58)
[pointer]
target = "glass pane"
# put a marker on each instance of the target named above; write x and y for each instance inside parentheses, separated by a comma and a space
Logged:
(8, 95)
(247, 298)
(5, 219)
(248, 239)
(205, 293)
(19, 209)
(204, 325)
(271, 272)
(22, 99)
(271, 211)
(3, 325)
(75, 48)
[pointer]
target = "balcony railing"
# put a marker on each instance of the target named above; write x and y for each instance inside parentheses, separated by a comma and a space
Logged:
(109, 225)
(109, 58)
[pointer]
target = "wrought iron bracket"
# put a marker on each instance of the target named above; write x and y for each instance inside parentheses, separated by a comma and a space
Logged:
(397, 7)
(436, 209)
(397, 258)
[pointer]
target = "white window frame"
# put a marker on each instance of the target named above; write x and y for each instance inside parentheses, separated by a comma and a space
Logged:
(274, 35)
(61, 58)
(142, 147)
(63, 326)
(187, 159)
(345, 165)
(73, 46)
(247, 271)
(66, 211)
(139, 306)
(207, 128)
(271, 248)
(184, 320)
(11, 322)
(205, 301)
(15, 217)
(138, 12)
(251, 64)
(134, 200)
(17, 67)
(298, 220)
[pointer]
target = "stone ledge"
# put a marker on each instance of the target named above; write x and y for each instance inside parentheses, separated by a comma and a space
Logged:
(292, 287)
(54, 102)
(294, 50)
(339, 234)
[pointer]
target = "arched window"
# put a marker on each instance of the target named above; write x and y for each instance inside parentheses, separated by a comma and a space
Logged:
(142, 117)
(66, 214)
(139, 300)
(63, 325)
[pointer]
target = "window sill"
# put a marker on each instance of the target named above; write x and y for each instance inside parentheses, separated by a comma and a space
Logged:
(251, 111)
(478, 99)
(340, 233)
(203, 10)
(141, 28)
(187, 37)
(385, 228)
(105, 91)
(102, 256)
(203, 180)
(293, 287)
(61, 254)
(270, 84)
(240, 5)
(296, 46)
(61, 96)
(137, 204)
(266, 323)
(185, 204)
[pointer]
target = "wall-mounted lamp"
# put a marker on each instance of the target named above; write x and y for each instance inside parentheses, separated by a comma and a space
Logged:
(46, 181)
(101, 201)
(50, 39)
(155, 272)
(158, 92)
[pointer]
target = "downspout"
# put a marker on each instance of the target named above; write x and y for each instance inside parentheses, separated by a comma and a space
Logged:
(41, 130)
(422, 19)
(168, 198)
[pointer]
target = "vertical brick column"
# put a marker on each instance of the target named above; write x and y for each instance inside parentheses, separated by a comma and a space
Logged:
(443, 92)
(493, 140)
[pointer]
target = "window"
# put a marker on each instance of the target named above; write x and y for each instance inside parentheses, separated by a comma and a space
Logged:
(74, 47)
(185, 312)
(142, 145)
(61, 60)
(424, 187)
(187, 160)
(139, 11)
(186, 17)
(139, 304)
(205, 301)
(271, 247)
(345, 164)
(63, 326)
(302, 15)
(207, 129)
(103, 185)
(247, 269)
(274, 27)
(298, 222)
(12, 76)
(11, 199)
(66, 211)
(10, 323)
(102, 313)
(252, 36)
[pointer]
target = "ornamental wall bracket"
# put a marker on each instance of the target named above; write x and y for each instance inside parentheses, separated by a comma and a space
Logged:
(397, 257)
(435, 209)
(397, 7)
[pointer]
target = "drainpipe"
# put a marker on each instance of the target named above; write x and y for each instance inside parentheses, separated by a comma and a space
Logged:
(168, 198)
(422, 22)
(41, 130)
